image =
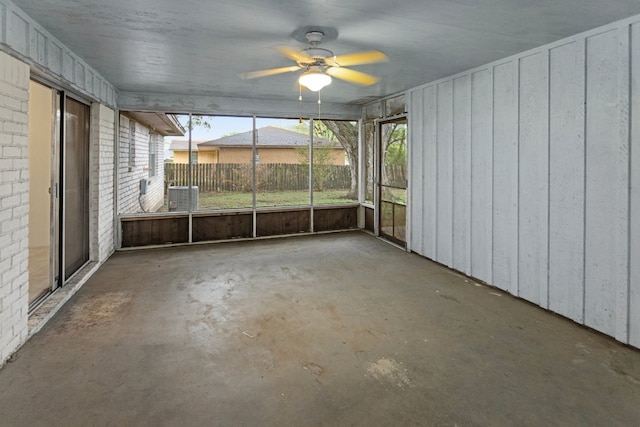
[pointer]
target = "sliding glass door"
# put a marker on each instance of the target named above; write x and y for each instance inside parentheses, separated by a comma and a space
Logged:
(58, 189)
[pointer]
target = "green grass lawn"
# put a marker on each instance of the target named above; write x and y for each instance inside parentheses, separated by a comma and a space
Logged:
(237, 200)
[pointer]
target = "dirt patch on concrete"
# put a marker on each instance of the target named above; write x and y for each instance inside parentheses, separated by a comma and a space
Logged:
(388, 370)
(97, 310)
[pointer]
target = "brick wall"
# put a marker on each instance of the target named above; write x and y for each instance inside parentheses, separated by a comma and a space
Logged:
(103, 144)
(155, 191)
(133, 165)
(14, 204)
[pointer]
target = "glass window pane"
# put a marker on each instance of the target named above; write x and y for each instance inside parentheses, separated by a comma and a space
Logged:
(282, 162)
(335, 161)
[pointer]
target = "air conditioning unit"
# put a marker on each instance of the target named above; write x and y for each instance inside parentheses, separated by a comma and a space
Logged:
(179, 198)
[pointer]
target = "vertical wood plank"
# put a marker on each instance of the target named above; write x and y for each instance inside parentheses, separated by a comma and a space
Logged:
(533, 181)
(505, 177)
(430, 200)
(444, 250)
(482, 174)
(607, 167)
(634, 258)
(566, 180)
(416, 144)
(462, 174)
(622, 286)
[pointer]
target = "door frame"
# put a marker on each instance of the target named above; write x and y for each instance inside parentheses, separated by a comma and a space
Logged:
(56, 211)
(378, 159)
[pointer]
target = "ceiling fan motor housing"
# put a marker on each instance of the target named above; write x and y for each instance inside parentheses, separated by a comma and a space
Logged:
(321, 63)
(314, 37)
(317, 53)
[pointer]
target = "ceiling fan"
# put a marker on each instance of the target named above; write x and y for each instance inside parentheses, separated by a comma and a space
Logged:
(321, 64)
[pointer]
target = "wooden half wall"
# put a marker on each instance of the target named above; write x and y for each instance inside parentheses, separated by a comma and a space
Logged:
(139, 231)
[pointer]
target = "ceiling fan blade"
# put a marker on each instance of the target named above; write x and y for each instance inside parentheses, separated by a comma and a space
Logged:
(352, 76)
(294, 54)
(269, 72)
(357, 58)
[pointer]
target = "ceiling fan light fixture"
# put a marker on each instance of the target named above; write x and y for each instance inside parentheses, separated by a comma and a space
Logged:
(314, 80)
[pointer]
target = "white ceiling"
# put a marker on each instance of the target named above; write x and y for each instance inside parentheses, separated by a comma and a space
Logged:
(197, 47)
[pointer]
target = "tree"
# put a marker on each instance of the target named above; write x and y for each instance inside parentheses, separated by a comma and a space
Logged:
(322, 156)
(196, 121)
(346, 133)
(393, 164)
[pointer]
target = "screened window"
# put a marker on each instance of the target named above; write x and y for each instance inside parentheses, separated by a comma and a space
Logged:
(152, 157)
(335, 162)
(132, 143)
(241, 163)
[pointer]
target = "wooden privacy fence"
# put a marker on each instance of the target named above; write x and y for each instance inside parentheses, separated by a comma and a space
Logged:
(233, 177)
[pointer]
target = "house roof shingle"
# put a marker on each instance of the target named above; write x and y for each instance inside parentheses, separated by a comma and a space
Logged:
(270, 136)
(181, 145)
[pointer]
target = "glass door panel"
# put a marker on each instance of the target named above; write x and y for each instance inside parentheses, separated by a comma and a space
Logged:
(76, 186)
(41, 115)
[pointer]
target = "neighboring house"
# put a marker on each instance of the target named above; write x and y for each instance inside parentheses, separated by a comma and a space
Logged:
(142, 158)
(275, 145)
(180, 152)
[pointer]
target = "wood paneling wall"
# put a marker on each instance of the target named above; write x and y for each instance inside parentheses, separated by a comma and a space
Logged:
(154, 231)
(277, 223)
(525, 173)
(369, 218)
(222, 226)
(331, 218)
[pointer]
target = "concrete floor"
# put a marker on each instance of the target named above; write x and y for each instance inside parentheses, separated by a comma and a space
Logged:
(338, 329)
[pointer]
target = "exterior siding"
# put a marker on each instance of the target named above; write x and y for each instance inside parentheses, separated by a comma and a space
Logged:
(133, 166)
(102, 194)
